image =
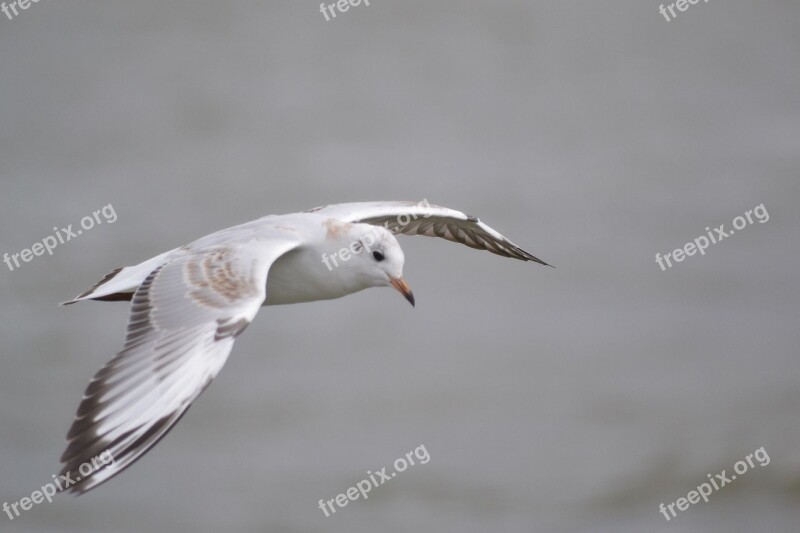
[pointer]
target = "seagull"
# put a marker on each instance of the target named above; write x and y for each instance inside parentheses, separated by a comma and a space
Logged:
(189, 304)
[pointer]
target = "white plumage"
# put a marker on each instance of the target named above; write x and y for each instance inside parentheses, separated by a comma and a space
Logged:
(189, 304)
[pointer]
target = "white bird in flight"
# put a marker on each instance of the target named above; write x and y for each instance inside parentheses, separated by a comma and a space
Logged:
(189, 304)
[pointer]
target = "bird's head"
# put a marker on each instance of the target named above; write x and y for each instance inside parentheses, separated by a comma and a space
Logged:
(378, 258)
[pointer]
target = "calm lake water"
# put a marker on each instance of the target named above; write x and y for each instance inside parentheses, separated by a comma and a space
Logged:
(575, 399)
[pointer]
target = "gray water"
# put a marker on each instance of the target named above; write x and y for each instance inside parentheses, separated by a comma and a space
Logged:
(594, 134)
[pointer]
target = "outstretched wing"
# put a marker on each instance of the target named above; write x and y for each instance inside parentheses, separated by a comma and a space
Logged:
(411, 218)
(184, 319)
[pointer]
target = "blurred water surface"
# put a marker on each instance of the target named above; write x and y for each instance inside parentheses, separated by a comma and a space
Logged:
(594, 134)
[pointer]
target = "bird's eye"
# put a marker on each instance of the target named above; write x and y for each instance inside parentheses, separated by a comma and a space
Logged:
(378, 256)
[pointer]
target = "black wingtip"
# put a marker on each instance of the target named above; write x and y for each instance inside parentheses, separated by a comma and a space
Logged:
(542, 262)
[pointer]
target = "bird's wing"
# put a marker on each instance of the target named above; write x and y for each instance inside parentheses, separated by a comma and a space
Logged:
(184, 319)
(412, 218)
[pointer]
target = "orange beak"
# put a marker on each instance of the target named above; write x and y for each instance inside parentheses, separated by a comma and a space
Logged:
(401, 285)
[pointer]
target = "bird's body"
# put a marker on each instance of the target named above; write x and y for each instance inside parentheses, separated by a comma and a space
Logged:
(189, 304)
(296, 276)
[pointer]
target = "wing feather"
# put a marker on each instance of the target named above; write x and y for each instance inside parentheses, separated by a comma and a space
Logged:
(184, 319)
(410, 218)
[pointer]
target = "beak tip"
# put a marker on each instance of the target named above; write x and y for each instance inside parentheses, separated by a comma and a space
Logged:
(403, 288)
